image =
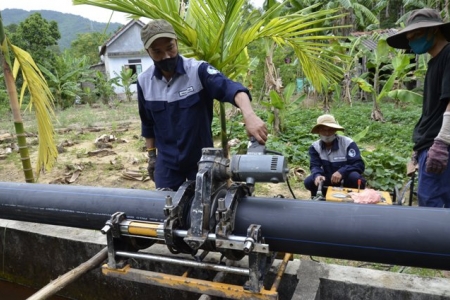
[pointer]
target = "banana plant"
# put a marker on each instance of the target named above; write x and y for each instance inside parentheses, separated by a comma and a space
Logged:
(399, 66)
(219, 32)
(41, 100)
(280, 105)
(125, 79)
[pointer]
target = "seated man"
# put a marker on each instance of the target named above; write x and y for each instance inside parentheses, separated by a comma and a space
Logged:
(334, 159)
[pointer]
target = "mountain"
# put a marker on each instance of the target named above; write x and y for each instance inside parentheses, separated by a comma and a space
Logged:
(69, 25)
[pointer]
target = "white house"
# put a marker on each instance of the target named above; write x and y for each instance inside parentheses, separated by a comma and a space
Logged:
(125, 49)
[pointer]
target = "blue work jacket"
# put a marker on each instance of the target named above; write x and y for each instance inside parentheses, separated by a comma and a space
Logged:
(344, 156)
(178, 113)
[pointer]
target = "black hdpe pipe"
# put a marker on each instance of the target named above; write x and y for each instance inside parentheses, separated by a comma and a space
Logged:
(409, 236)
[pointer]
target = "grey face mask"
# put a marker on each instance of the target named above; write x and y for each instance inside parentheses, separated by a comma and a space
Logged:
(327, 139)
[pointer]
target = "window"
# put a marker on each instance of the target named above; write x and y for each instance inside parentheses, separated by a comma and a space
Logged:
(135, 65)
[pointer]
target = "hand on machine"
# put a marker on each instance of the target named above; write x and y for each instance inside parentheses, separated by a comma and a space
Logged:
(319, 182)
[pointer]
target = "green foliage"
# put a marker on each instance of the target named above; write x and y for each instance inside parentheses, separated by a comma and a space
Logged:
(86, 44)
(125, 79)
(384, 169)
(64, 81)
(4, 98)
(104, 87)
(36, 35)
(283, 103)
(69, 25)
(385, 146)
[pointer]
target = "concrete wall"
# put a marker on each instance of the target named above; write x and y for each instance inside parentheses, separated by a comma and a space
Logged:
(34, 254)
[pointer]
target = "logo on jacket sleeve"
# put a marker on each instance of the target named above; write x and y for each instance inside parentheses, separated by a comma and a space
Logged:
(212, 71)
(352, 153)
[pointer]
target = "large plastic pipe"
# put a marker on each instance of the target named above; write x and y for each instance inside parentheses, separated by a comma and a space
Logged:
(400, 235)
(409, 236)
(78, 206)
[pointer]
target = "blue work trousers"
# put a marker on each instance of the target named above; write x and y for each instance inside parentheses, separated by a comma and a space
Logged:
(172, 179)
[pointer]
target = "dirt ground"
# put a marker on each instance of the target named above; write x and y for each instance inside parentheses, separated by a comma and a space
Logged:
(105, 156)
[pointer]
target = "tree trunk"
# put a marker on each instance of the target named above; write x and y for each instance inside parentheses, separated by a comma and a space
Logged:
(376, 114)
(223, 130)
(18, 123)
(273, 82)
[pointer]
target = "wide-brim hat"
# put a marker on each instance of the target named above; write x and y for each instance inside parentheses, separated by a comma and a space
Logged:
(328, 121)
(156, 29)
(420, 18)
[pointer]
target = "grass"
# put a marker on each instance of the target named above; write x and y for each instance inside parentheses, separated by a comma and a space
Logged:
(423, 272)
(79, 116)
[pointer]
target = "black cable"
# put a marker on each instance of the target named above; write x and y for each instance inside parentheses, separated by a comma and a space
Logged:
(313, 259)
(385, 267)
(290, 189)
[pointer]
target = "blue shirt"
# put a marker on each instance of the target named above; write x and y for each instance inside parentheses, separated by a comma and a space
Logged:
(179, 113)
(344, 156)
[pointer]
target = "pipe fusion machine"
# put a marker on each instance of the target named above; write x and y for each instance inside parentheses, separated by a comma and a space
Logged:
(212, 215)
(201, 216)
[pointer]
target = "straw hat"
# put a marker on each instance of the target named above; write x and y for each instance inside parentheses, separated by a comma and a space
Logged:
(420, 18)
(328, 121)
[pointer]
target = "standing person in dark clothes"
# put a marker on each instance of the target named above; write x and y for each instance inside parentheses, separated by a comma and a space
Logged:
(425, 32)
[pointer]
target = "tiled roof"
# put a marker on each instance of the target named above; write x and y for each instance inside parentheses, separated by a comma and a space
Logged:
(119, 33)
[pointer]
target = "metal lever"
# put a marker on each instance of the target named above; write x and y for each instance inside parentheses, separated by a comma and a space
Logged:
(255, 147)
(319, 195)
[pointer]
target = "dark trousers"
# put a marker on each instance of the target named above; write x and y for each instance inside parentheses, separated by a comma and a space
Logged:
(433, 190)
(166, 178)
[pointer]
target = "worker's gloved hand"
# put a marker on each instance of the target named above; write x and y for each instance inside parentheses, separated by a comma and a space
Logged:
(437, 157)
(151, 163)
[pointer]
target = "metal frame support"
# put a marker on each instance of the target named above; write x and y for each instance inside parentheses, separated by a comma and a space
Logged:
(112, 231)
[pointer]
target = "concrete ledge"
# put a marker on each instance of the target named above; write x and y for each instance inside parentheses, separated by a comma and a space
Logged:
(333, 282)
(34, 254)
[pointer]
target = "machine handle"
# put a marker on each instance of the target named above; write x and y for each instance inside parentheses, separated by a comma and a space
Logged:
(255, 147)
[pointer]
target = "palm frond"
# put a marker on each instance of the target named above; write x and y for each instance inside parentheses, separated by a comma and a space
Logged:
(42, 102)
(219, 31)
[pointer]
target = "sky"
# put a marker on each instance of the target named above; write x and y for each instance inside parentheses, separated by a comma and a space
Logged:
(88, 11)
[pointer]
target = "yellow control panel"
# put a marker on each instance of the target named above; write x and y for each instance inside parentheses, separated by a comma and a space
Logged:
(342, 194)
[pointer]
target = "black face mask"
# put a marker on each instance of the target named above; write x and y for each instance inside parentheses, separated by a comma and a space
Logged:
(167, 65)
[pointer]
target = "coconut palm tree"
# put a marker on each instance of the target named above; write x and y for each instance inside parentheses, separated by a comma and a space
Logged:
(359, 14)
(219, 31)
(40, 100)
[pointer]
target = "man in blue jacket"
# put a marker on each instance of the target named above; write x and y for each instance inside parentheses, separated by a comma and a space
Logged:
(175, 97)
(335, 160)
